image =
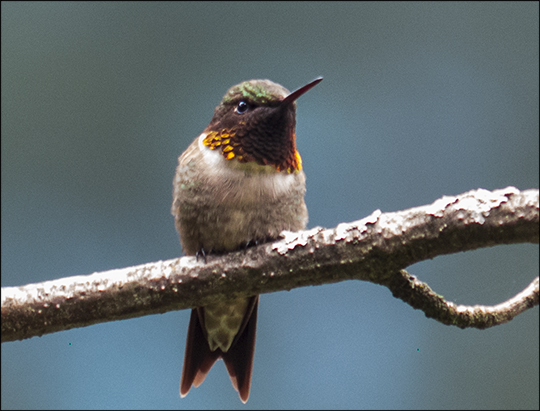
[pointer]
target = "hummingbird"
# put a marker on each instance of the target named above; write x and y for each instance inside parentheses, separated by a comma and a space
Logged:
(238, 184)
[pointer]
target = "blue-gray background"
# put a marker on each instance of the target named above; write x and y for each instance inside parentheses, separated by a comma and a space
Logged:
(419, 100)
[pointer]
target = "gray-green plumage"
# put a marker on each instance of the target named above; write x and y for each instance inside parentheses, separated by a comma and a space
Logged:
(239, 183)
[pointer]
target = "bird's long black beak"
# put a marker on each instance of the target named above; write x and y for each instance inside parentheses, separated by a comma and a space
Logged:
(297, 93)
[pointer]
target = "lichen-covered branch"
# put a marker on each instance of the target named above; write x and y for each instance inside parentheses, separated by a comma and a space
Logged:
(420, 296)
(376, 249)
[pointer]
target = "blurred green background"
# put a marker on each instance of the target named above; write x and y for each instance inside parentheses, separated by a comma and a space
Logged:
(419, 100)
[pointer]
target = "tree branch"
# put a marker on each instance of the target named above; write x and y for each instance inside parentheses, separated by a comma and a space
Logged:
(376, 249)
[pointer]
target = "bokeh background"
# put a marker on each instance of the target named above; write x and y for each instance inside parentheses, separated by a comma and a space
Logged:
(419, 100)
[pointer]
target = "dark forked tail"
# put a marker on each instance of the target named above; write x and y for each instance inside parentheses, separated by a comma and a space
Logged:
(199, 359)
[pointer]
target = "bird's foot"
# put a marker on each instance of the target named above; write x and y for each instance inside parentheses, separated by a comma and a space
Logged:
(200, 253)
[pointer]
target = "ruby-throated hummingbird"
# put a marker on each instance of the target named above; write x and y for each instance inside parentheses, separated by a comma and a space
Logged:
(239, 183)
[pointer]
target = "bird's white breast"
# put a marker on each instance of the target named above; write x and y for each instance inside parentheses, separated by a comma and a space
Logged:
(246, 181)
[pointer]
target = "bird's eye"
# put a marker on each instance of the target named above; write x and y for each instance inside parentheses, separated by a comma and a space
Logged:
(242, 107)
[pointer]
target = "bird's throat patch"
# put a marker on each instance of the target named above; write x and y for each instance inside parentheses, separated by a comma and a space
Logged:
(234, 147)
